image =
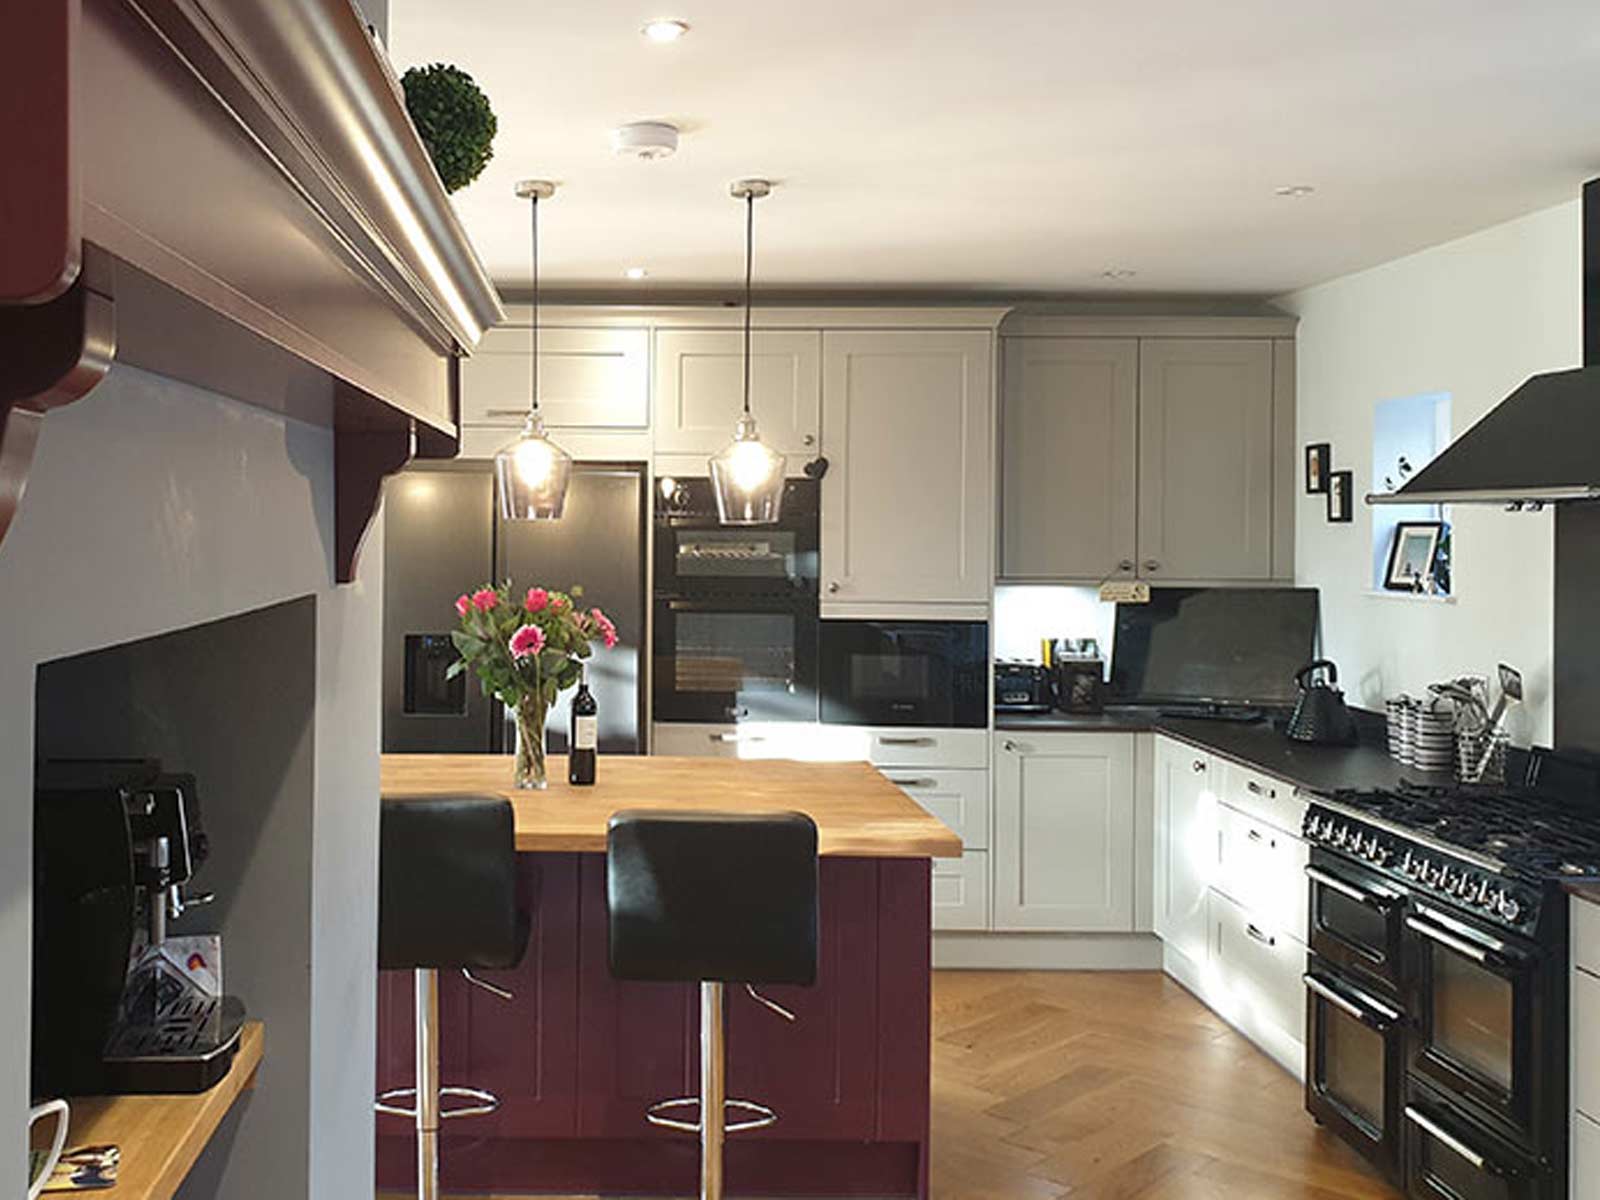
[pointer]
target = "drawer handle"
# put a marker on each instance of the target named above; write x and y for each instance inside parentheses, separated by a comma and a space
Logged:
(906, 741)
(1254, 835)
(736, 737)
(505, 412)
(1255, 932)
(1425, 1123)
(914, 783)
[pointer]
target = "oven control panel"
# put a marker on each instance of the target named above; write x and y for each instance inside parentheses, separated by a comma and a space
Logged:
(1427, 870)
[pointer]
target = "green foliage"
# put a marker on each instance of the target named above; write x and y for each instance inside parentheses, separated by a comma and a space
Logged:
(453, 117)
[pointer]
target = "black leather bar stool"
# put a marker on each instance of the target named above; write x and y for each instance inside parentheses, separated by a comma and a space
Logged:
(447, 900)
(713, 899)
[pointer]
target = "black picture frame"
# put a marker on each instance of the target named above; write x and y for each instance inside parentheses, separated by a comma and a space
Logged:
(1399, 575)
(1341, 500)
(1319, 465)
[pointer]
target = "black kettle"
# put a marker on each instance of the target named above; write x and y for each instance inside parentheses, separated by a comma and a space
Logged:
(1321, 715)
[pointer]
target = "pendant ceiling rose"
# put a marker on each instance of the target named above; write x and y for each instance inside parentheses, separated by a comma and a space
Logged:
(530, 189)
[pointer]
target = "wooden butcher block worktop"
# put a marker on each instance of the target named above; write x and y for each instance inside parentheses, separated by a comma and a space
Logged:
(858, 812)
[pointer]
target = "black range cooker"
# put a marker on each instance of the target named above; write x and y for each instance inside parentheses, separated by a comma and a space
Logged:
(1436, 1026)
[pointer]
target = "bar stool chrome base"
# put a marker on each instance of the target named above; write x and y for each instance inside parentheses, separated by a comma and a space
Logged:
(427, 1098)
(712, 1103)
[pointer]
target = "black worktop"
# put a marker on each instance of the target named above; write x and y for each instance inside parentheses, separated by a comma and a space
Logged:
(1257, 744)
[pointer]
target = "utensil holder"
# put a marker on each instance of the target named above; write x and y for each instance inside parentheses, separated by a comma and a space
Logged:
(1481, 755)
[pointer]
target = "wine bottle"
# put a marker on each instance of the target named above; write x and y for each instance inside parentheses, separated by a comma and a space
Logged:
(585, 736)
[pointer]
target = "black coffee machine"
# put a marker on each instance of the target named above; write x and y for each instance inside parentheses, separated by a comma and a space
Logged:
(116, 842)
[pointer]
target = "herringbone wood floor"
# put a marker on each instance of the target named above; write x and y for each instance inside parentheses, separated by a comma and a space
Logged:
(1115, 1086)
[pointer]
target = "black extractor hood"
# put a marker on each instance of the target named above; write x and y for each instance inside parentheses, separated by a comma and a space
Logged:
(1541, 444)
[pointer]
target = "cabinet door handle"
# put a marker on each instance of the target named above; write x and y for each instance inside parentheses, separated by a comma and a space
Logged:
(1008, 746)
(1255, 788)
(833, 587)
(1254, 835)
(1151, 564)
(1125, 565)
(1199, 766)
(810, 439)
(1255, 932)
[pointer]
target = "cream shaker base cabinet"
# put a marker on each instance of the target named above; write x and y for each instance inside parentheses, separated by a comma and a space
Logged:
(961, 892)
(1069, 430)
(1186, 846)
(1063, 847)
(700, 389)
(907, 503)
(588, 378)
(1205, 459)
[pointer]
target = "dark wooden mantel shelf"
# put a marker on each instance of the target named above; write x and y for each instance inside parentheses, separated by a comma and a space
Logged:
(229, 193)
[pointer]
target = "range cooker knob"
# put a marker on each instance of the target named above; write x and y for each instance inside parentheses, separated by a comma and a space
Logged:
(1510, 909)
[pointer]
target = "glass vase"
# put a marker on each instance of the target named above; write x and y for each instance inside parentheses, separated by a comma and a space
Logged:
(532, 714)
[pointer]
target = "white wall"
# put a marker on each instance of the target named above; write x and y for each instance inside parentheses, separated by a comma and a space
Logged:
(153, 506)
(1474, 318)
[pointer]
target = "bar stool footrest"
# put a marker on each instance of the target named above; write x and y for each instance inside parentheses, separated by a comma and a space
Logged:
(656, 1115)
(483, 1104)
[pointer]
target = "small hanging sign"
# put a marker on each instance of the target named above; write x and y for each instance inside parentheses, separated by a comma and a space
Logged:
(1126, 591)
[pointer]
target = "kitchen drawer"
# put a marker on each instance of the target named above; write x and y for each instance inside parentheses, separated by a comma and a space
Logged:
(958, 798)
(1263, 797)
(1586, 1043)
(961, 891)
(1585, 1158)
(804, 741)
(913, 747)
(588, 378)
(1586, 937)
(1258, 970)
(1263, 868)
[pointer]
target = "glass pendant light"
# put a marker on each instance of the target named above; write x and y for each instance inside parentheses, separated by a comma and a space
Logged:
(747, 474)
(532, 473)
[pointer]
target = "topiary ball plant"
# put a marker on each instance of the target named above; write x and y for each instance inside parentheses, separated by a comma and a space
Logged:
(453, 116)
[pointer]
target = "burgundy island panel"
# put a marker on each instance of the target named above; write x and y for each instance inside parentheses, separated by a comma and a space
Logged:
(576, 1057)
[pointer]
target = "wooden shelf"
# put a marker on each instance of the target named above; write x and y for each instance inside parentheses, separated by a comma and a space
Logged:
(162, 1136)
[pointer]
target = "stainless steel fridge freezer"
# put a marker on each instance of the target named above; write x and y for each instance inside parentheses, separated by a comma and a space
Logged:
(442, 536)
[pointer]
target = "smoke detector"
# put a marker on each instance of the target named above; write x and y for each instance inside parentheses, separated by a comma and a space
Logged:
(647, 140)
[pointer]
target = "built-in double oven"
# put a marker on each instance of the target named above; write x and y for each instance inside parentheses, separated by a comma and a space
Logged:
(735, 620)
(1435, 1041)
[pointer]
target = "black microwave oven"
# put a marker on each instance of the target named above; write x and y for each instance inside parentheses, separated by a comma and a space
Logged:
(893, 672)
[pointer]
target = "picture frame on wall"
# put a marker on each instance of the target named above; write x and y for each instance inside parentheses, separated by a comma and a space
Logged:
(1341, 502)
(1319, 463)
(1413, 557)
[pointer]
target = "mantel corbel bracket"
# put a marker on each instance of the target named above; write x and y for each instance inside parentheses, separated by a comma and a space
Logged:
(54, 353)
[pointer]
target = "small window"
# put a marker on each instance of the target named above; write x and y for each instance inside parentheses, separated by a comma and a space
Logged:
(1407, 434)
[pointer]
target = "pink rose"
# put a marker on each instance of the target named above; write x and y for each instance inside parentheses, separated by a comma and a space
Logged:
(484, 599)
(560, 604)
(537, 599)
(608, 631)
(526, 642)
(463, 605)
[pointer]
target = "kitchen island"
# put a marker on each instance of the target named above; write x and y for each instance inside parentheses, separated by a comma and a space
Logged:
(576, 1057)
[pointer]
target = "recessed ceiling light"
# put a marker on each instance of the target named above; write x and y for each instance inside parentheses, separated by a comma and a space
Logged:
(666, 29)
(1118, 273)
(636, 273)
(1294, 191)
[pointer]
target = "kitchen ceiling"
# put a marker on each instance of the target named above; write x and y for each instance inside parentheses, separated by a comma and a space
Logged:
(1017, 146)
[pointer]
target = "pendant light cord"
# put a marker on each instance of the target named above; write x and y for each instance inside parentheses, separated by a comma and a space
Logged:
(749, 256)
(533, 408)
